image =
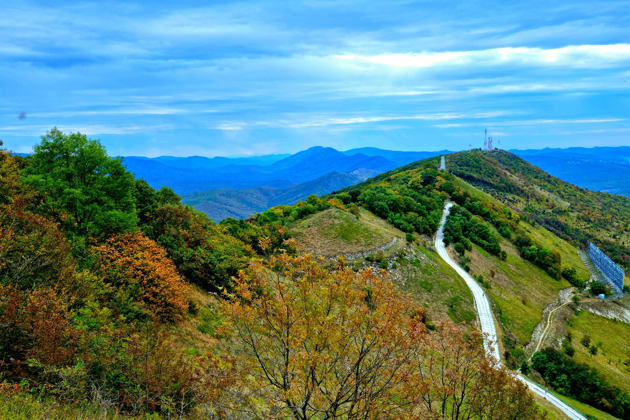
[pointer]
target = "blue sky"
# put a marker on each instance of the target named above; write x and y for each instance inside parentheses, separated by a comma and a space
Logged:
(234, 78)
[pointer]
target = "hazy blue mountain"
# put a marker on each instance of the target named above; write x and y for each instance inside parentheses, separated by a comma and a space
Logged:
(197, 176)
(604, 169)
(223, 203)
(318, 161)
(263, 181)
(200, 162)
(613, 154)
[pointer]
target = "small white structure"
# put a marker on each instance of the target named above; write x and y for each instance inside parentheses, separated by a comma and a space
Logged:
(442, 164)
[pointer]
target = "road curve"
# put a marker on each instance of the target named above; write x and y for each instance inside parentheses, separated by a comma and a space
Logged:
(486, 321)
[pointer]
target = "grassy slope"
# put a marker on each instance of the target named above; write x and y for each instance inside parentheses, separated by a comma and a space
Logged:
(27, 407)
(435, 285)
(519, 289)
(615, 349)
(587, 409)
(333, 232)
(420, 272)
(572, 213)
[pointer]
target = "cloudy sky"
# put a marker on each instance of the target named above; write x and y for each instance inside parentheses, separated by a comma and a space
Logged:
(239, 78)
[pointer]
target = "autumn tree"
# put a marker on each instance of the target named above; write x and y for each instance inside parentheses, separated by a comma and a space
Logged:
(33, 251)
(323, 344)
(36, 325)
(87, 191)
(142, 279)
(456, 380)
(11, 188)
(328, 343)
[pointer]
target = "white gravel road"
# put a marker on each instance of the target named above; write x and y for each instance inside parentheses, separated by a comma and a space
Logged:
(486, 321)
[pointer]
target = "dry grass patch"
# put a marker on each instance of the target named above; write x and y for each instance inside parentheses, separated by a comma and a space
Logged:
(333, 232)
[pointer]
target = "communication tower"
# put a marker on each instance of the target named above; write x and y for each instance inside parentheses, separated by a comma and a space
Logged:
(485, 139)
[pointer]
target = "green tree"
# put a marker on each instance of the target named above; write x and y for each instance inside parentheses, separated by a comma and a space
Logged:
(598, 288)
(86, 190)
(200, 249)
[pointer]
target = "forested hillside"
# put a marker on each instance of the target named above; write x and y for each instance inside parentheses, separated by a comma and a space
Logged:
(117, 300)
(573, 213)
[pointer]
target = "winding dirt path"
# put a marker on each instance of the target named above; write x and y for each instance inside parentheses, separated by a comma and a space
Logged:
(544, 334)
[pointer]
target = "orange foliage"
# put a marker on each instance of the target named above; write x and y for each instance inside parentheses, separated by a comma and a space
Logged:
(336, 203)
(319, 343)
(133, 263)
(11, 188)
(334, 343)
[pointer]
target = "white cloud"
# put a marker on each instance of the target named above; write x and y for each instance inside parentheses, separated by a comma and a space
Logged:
(589, 56)
(298, 122)
(87, 129)
(535, 122)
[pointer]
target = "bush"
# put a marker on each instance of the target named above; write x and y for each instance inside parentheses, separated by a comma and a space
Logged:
(459, 248)
(598, 288)
(354, 209)
(579, 381)
(33, 251)
(144, 281)
(525, 368)
(200, 249)
(567, 347)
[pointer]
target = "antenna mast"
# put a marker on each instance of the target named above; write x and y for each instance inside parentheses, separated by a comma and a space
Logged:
(485, 139)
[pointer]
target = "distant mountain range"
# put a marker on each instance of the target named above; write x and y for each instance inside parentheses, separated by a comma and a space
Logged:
(605, 169)
(194, 174)
(240, 204)
(238, 187)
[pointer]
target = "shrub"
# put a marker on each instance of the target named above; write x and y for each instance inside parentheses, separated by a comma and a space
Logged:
(598, 288)
(33, 251)
(354, 209)
(144, 280)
